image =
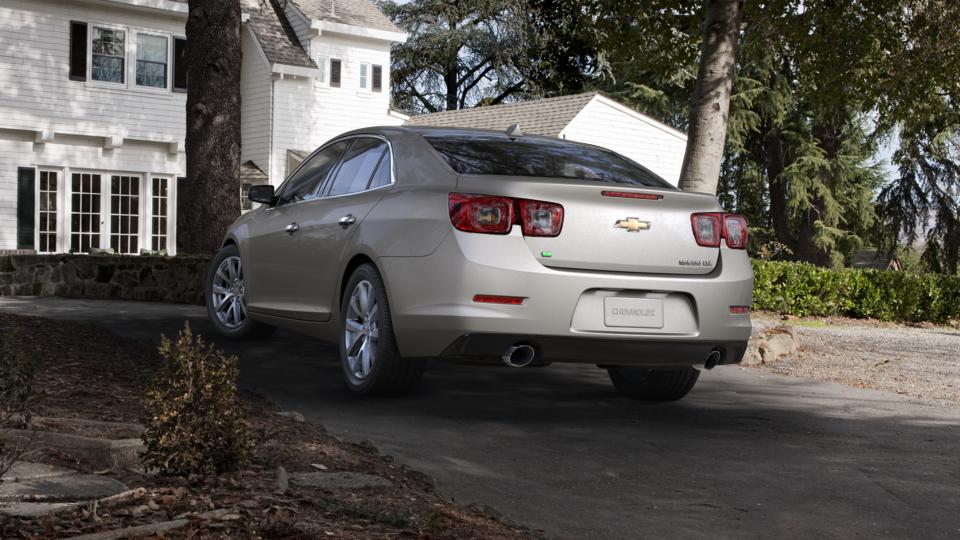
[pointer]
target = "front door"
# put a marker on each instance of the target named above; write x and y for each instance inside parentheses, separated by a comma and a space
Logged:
(272, 259)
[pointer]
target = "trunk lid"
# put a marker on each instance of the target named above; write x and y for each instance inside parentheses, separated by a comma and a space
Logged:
(608, 233)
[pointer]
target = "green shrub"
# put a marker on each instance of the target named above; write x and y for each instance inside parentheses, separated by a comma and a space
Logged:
(193, 425)
(804, 289)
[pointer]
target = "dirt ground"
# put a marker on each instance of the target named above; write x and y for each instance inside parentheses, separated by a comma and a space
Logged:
(921, 361)
(85, 371)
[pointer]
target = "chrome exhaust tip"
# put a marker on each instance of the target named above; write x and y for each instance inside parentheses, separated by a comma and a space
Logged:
(519, 356)
(712, 359)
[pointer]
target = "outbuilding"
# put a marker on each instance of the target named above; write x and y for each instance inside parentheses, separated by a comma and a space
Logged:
(589, 117)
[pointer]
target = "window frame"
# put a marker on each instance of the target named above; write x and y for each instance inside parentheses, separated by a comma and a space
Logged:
(339, 82)
(168, 72)
(323, 63)
(91, 31)
(373, 69)
(363, 76)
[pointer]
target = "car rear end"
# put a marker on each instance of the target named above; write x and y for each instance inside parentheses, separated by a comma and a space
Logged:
(615, 269)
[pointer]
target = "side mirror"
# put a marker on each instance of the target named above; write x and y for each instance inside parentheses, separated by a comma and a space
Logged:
(261, 193)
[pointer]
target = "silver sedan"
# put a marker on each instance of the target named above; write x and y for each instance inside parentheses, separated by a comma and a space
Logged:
(407, 244)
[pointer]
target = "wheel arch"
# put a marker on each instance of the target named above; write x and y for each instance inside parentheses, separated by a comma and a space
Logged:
(355, 262)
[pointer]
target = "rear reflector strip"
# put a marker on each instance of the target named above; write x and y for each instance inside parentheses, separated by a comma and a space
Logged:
(632, 195)
(495, 299)
(739, 310)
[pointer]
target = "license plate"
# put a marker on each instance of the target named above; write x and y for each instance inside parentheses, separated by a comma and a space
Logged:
(632, 312)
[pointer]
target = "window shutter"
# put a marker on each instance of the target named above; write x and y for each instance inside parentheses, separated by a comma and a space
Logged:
(179, 65)
(78, 51)
(335, 73)
(26, 205)
(377, 78)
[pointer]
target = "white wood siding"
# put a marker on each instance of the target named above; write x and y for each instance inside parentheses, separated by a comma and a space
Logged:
(37, 93)
(255, 89)
(656, 147)
(308, 113)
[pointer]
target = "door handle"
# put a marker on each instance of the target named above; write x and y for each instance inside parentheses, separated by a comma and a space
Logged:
(347, 220)
(292, 228)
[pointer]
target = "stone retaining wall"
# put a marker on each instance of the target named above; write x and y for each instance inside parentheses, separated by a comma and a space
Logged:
(163, 279)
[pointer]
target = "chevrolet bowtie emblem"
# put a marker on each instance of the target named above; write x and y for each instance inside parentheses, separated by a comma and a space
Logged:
(632, 224)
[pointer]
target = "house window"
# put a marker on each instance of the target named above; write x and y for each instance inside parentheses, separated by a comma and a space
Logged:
(377, 78)
(363, 75)
(85, 212)
(124, 214)
(48, 212)
(335, 66)
(151, 60)
(322, 64)
(158, 213)
(108, 53)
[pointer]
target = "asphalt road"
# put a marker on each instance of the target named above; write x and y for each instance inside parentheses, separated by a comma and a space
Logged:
(746, 454)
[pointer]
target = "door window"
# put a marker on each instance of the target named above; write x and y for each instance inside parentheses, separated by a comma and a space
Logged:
(302, 185)
(358, 166)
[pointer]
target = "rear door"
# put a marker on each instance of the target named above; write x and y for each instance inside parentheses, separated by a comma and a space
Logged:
(329, 224)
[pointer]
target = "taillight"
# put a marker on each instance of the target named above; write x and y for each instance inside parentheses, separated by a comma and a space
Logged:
(735, 231)
(496, 215)
(481, 213)
(709, 228)
(538, 218)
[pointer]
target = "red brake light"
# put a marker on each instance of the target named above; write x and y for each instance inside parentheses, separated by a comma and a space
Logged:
(481, 213)
(707, 229)
(735, 231)
(710, 227)
(632, 195)
(539, 218)
(496, 215)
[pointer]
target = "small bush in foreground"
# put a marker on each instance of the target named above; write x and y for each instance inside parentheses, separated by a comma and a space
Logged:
(193, 425)
(804, 289)
(16, 385)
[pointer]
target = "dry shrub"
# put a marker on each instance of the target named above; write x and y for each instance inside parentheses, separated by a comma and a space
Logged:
(16, 386)
(194, 424)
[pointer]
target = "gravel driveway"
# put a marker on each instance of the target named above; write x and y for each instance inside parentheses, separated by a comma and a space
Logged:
(923, 363)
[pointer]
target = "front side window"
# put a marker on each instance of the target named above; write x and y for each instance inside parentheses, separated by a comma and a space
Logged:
(322, 64)
(151, 61)
(500, 155)
(358, 166)
(377, 78)
(108, 53)
(335, 72)
(303, 184)
(363, 76)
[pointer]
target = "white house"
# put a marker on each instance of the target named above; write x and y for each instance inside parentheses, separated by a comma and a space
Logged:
(590, 118)
(92, 109)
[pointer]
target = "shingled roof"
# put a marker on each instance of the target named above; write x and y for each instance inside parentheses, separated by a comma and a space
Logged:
(536, 117)
(276, 37)
(353, 12)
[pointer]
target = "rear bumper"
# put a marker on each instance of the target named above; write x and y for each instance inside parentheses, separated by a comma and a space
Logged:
(434, 315)
(600, 351)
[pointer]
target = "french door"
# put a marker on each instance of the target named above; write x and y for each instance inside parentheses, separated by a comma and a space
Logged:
(86, 211)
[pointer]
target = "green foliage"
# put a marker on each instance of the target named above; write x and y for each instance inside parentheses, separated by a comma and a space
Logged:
(193, 424)
(804, 289)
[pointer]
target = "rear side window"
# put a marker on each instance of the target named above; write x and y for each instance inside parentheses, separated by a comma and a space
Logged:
(382, 177)
(358, 166)
(303, 183)
(498, 155)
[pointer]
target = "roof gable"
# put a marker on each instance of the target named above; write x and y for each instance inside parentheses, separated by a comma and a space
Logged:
(275, 35)
(360, 13)
(547, 116)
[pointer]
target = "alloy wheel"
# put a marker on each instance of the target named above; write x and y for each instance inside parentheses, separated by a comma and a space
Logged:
(361, 330)
(228, 293)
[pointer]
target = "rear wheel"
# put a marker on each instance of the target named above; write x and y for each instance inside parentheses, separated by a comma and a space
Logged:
(226, 297)
(653, 384)
(369, 355)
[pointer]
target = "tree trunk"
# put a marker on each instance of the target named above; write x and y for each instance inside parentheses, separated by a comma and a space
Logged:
(209, 201)
(711, 97)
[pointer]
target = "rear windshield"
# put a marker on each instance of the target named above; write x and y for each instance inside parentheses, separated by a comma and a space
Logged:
(492, 155)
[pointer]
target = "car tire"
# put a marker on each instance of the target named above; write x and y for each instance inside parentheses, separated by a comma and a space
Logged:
(382, 371)
(225, 294)
(653, 384)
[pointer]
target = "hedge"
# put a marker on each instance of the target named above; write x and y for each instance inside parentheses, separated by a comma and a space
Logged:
(803, 289)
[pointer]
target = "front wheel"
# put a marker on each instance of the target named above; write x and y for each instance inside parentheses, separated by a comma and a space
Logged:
(226, 297)
(369, 355)
(653, 384)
